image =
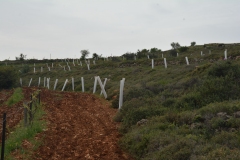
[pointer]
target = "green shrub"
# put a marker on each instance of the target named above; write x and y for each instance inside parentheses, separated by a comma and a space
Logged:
(192, 100)
(25, 69)
(8, 77)
(219, 123)
(227, 139)
(170, 102)
(173, 53)
(225, 69)
(16, 97)
(183, 49)
(137, 93)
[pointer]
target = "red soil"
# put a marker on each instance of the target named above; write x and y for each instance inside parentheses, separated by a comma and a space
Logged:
(80, 127)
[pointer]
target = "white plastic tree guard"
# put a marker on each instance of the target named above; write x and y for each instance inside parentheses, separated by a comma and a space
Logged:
(225, 54)
(152, 63)
(201, 53)
(41, 69)
(39, 80)
(30, 82)
(44, 81)
(187, 60)
(102, 88)
(69, 68)
(34, 70)
(64, 84)
(72, 83)
(48, 83)
(73, 62)
(104, 84)
(21, 82)
(95, 84)
(121, 93)
(147, 56)
(165, 62)
(82, 81)
(88, 66)
(55, 84)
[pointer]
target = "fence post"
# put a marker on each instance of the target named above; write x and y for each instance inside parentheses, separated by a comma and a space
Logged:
(30, 111)
(25, 114)
(39, 98)
(3, 135)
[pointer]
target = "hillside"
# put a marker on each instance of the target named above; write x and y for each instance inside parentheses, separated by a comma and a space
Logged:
(179, 112)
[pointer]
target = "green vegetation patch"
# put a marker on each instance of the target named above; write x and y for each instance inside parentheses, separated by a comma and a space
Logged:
(16, 97)
(20, 133)
(8, 77)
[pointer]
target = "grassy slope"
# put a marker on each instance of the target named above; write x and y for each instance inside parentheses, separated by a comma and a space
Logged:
(191, 111)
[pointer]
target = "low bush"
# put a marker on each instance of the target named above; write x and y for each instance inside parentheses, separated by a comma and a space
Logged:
(8, 77)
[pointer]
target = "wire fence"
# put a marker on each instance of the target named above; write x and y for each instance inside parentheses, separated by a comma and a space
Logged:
(29, 109)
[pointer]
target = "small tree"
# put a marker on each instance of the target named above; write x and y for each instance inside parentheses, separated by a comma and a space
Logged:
(154, 52)
(96, 56)
(175, 45)
(84, 53)
(21, 57)
(193, 43)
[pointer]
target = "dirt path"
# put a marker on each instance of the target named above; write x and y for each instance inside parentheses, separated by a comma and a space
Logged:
(80, 127)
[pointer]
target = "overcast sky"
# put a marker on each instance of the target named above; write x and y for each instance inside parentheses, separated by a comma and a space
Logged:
(38, 28)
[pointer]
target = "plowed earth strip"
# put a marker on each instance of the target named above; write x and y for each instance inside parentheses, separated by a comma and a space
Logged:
(80, 127)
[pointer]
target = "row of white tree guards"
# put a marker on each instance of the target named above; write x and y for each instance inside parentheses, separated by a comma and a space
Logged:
(88, 62)
(97, 80)
(64, 67)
